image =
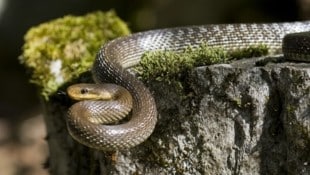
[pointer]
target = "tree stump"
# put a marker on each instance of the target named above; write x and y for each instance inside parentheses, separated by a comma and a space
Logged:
(236, 118)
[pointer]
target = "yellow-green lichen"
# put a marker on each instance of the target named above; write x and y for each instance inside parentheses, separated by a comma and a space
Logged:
(60, 50)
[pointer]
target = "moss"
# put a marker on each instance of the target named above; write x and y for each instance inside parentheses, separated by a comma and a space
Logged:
(238, 102)
(60, 50)
(290, 109)
(251, 51)
(170, 66)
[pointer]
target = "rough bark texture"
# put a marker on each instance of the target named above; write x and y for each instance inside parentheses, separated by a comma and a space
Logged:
(236, 118)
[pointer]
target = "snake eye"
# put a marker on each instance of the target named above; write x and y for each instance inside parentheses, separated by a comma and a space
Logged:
(84, 91)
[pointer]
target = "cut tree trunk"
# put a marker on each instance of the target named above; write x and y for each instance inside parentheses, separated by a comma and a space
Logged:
(238, 118)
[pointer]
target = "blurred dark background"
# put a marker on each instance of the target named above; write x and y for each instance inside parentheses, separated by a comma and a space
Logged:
(19, 100)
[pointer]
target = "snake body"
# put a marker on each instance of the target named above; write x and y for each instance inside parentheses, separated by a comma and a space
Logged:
(116, 56)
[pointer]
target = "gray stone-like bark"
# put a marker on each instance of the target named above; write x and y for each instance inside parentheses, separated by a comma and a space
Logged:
(235, 118)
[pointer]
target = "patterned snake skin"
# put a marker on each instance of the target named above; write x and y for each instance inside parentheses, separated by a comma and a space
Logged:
(116, 56)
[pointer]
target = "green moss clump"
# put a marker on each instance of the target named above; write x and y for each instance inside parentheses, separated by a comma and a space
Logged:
(251, 51)
(62, 49)
(171, 66)
(168, 66)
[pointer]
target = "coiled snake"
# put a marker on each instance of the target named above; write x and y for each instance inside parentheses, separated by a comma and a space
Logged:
(85, 122)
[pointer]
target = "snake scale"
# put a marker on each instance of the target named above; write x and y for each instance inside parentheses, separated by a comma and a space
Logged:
(85, 122)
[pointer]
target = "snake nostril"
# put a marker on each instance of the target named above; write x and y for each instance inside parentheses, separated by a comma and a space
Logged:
(84, 91)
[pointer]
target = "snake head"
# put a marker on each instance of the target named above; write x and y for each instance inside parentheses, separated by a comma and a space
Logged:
(86, 91)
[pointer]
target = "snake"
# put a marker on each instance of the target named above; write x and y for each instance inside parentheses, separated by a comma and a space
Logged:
(97, 118)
